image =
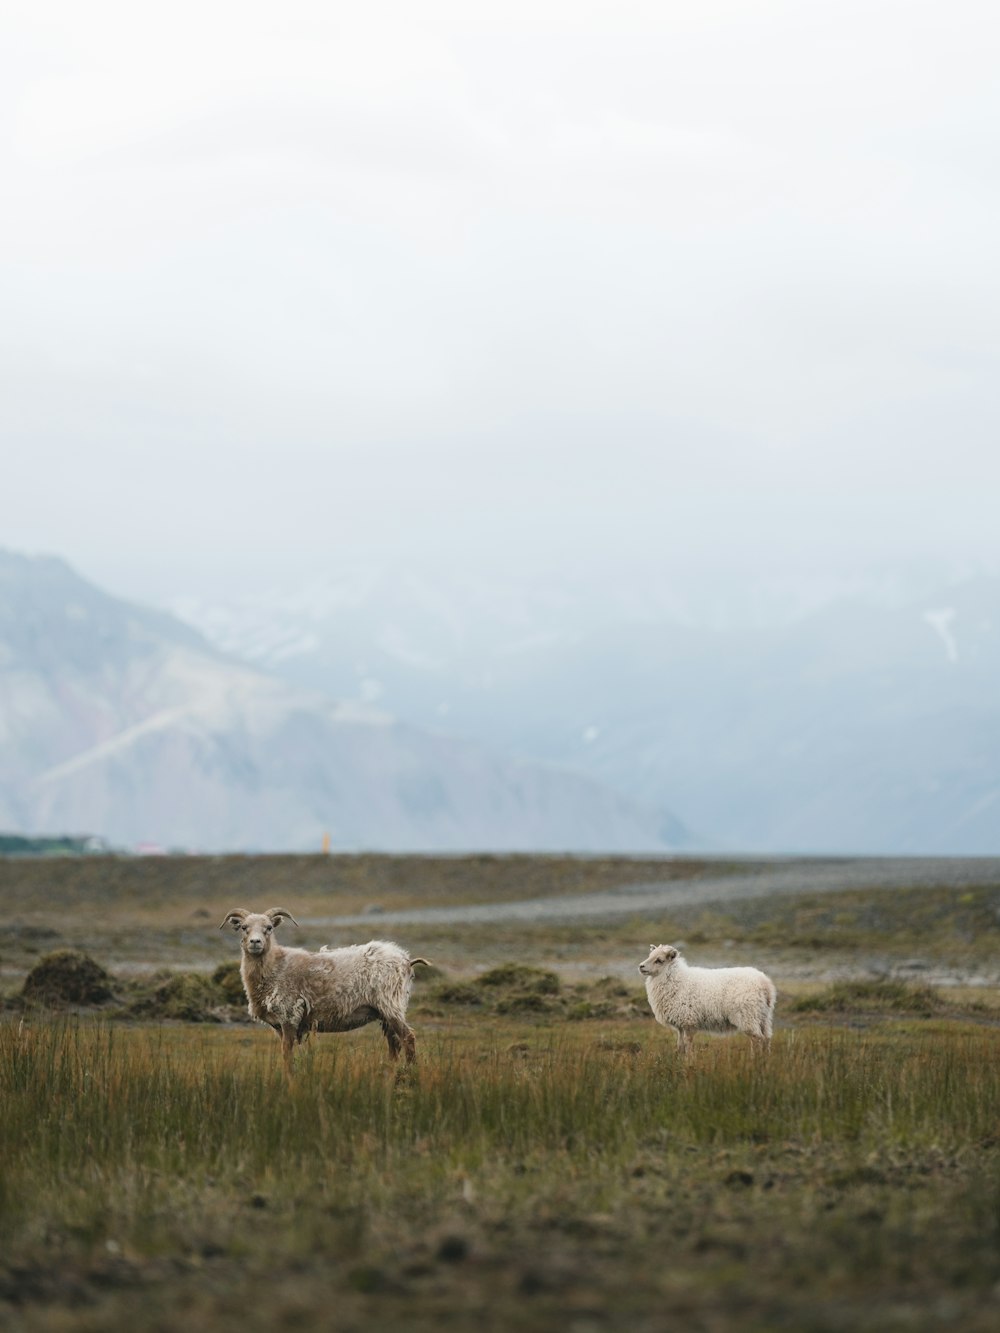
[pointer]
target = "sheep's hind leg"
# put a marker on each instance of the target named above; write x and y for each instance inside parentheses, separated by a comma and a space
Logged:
(760, 1042)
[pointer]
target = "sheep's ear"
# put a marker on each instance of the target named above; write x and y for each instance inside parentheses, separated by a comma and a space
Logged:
(234, 918)
(278, 914)
(671, 955)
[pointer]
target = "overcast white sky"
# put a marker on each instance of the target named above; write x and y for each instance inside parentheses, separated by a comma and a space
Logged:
(702, 291)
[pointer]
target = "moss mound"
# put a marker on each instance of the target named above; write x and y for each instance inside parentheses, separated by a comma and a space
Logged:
(457, 992)
(514, 988)
(227, 977)
(527, 1002)
(184, 995)
(67, 977)
(510, 988)
(607, 997)
(849, 997)
(518, 977)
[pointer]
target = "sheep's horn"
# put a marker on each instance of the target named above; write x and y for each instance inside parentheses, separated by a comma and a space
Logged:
(278, 914)
(237, 914)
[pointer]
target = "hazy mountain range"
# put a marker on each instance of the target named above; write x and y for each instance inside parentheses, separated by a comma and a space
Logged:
(396, 711)
(857, 728)
(123, 722)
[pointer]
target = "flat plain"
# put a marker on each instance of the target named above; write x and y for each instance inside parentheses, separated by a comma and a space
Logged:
(550, 1162)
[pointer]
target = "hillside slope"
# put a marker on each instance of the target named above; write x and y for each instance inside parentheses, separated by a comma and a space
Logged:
(123, 722)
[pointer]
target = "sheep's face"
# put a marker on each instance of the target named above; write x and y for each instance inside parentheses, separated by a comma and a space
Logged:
(661, 956)
(256, 928)
(255, 935)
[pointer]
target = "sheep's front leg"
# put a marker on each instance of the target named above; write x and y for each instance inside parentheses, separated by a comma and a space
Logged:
(288, 1036)
(400, 1037)
(684, 1042)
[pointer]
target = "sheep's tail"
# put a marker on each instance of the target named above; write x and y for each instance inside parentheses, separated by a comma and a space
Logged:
(426, 962)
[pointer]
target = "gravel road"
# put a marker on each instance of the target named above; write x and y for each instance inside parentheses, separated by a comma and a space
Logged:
(757, 880)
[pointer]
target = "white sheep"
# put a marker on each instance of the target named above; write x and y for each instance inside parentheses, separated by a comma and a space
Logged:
(336, 990)
(707, 999)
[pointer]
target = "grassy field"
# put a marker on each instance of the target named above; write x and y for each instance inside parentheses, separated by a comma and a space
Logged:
(548, 1164)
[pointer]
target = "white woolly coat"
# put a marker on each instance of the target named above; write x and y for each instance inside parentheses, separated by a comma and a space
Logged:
(335, 990)
(712, 999)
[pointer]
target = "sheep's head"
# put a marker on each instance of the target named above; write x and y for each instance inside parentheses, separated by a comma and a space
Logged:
(255, 928)
(661, 956)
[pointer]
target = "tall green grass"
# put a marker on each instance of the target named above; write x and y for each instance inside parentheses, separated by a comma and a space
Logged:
(100, 1099)
(155, 1143)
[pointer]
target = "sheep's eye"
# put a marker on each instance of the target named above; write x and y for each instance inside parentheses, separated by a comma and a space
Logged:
(268, 929)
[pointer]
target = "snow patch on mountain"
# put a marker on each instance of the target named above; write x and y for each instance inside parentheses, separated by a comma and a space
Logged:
(941, 622)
